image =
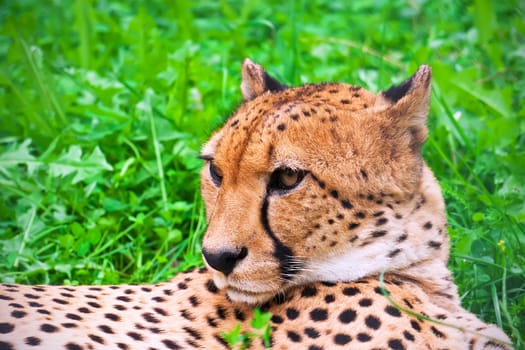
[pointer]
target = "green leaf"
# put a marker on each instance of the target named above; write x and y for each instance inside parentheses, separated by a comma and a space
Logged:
(85, 168)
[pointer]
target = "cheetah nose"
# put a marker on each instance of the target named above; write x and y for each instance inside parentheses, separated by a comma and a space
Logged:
(225, 261)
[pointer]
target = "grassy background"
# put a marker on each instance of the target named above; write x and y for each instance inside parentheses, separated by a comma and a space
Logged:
(104, 104)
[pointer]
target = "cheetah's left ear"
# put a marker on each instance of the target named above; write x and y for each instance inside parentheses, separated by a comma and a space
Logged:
(255, 81)
(409, 103)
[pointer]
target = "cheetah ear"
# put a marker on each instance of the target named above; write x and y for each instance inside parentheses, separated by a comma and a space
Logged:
(255, 81)
(408, 104)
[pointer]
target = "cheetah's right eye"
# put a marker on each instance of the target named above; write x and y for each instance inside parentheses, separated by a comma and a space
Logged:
(285, 179)
(215, 174)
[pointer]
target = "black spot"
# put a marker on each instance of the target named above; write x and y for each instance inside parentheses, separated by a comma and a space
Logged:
(347, 316)
(31, 296)
(292, 313)
(402, 237)
(437, 332)
(96, 338)
(5, 297)
(194, 301)
(121, 298)
(168, 292)
(73, 317)
(365, 302)
(6, 327)
(370, 197)
(160, 311)
(345, 101)
(281, 127)
(346, 204)
(363, 337)
(222, 313)
(84, 310)
(106, 329)
(350, 291)
(396, 92)
(6, 346)
(381, 221)
(408, 303)
(211, 322)
(342, 339)
(212, 288)
(329, 298)
(353, 225)
(360, 215)
(16, 306)
(309, 291)
(372, 322)
(415, 325)
(18, 314)
(311, 332)
(392, 311)
(277, 319)
(73, 346)
(95, 305)
(331, 221)
(379, 213)
(408, 336)
(48, 328)
(149, 317)
(395, 344)
(122, 346)
(134, 335)
(295, 116)
(33, 341)
(394, 252)
(293, 336)
(193, 332)
(434, 244)
(112, 317)
(318, 314)
(378, 233)
(427, 225)
(314, 347)
(182, 285)
(69, 325)
(187, 315)
(239, 315)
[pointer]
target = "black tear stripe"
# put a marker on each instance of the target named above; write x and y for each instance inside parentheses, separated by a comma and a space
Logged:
(280, 251)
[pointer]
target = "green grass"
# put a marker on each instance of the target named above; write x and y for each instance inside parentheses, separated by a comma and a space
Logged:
(104, 105)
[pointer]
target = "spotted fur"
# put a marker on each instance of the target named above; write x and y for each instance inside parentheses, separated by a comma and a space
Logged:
(313, 195)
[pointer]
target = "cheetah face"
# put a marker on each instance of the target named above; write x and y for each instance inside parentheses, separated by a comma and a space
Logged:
(308, 183)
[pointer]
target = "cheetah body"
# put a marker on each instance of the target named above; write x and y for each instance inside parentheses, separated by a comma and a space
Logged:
(321, 211)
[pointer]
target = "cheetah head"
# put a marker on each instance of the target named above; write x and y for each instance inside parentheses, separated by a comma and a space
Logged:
(322, 182)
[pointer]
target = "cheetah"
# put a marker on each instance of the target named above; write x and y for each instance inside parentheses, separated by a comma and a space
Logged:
(320, 211)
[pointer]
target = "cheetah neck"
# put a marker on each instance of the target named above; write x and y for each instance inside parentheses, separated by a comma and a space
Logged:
(415, 248)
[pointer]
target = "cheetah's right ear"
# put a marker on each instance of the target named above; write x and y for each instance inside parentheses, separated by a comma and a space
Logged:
(408, 104)
(255, 81)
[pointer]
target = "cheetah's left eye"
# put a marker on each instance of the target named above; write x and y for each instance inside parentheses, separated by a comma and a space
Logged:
(285, 179)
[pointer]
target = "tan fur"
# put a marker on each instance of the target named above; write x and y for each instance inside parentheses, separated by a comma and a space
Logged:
(364, 205)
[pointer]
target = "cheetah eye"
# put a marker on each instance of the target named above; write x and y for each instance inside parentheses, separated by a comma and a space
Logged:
(285, 179)
(215, 174)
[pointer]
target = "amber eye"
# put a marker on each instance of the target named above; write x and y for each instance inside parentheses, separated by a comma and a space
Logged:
(285, 179)
(215, 174)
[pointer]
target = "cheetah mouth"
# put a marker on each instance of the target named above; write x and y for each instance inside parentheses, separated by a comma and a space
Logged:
(248, 296)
